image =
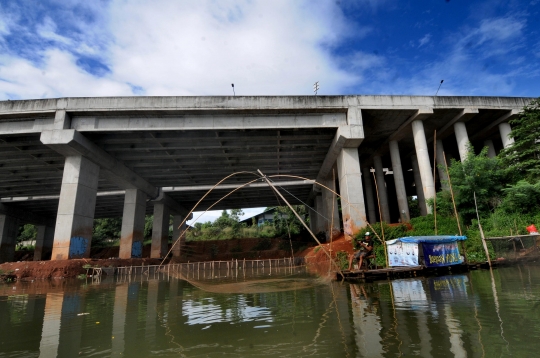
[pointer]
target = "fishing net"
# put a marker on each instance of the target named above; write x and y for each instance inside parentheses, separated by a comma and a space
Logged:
(516, 247)
(245, 281)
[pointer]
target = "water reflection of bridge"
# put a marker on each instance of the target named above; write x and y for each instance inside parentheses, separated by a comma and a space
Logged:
(139, 315)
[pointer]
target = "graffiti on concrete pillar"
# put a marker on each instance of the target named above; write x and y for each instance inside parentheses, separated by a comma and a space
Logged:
(77, 247)
(136, 249)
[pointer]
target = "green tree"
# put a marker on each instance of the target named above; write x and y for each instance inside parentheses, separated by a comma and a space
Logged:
(477, 174)
(148, 223)
(522, 198)
(523, 157)
(286, 223)
(27, 232)
(106, 230)
(225, 220)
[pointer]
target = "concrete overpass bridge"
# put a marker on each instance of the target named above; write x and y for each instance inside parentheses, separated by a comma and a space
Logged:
(66, 161)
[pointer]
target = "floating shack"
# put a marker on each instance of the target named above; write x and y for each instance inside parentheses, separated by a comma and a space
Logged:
(427, 251)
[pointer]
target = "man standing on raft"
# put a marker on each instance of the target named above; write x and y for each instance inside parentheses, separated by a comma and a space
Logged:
(366, 247)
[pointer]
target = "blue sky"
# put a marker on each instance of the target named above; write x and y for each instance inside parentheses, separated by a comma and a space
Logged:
(56, 48)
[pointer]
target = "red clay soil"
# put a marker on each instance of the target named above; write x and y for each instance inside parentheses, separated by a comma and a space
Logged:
(338, 244)
(317, 260)
(29, 270)
(193, 252)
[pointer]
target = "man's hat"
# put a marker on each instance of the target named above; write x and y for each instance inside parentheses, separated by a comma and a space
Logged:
(368, 233)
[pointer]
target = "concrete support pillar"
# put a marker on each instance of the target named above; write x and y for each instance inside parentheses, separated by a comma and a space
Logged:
(44, 242)
(505, 129)
(491, 148)
(418, 185)
(132, 235)
(370, 201)
(75, 219)
(462, 139)
(381, 188)
(321, 214)
(424, 166)
(9, 227)
(331, 210)
(441, 168)
(350, 185)
(399, 181)
(160, 231)
(178, 229)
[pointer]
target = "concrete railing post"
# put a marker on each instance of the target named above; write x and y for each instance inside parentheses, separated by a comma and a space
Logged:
(399, 181)
(132, 235)
(75, 219)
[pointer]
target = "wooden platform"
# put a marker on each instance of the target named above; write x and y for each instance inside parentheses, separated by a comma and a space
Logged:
(402, 272)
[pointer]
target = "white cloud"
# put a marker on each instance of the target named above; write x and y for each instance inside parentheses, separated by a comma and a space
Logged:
(364, 61)
(264, 48)
(190, 48)
(57, 76)
(47, 30)
(424, 40)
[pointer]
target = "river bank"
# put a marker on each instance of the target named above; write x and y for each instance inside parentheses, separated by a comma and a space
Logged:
(218, 250)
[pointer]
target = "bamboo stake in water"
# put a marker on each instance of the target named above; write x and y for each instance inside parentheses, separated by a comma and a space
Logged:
(435, 167)
(332, 215)
(462, 244)
(380, 216)
(481, 231)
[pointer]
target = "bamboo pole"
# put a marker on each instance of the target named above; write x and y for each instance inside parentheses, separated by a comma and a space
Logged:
(332, 215)
(380, 216)
(481, 231)
(434, 186)
(343, 199)
(462, 244)
(302, 221)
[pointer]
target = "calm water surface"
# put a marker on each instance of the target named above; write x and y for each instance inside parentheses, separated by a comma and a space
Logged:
(291, 314)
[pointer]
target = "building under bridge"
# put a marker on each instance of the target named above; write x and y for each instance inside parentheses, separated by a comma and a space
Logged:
(66, 161)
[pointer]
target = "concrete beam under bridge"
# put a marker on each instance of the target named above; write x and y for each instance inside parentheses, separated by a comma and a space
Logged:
(69, 142)
(84, 161)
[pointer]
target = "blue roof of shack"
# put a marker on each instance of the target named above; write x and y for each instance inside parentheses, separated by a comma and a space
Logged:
(439, 239)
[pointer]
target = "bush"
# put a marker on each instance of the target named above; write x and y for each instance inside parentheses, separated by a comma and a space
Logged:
(523, 197)
(106, 232)
(342, 259)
